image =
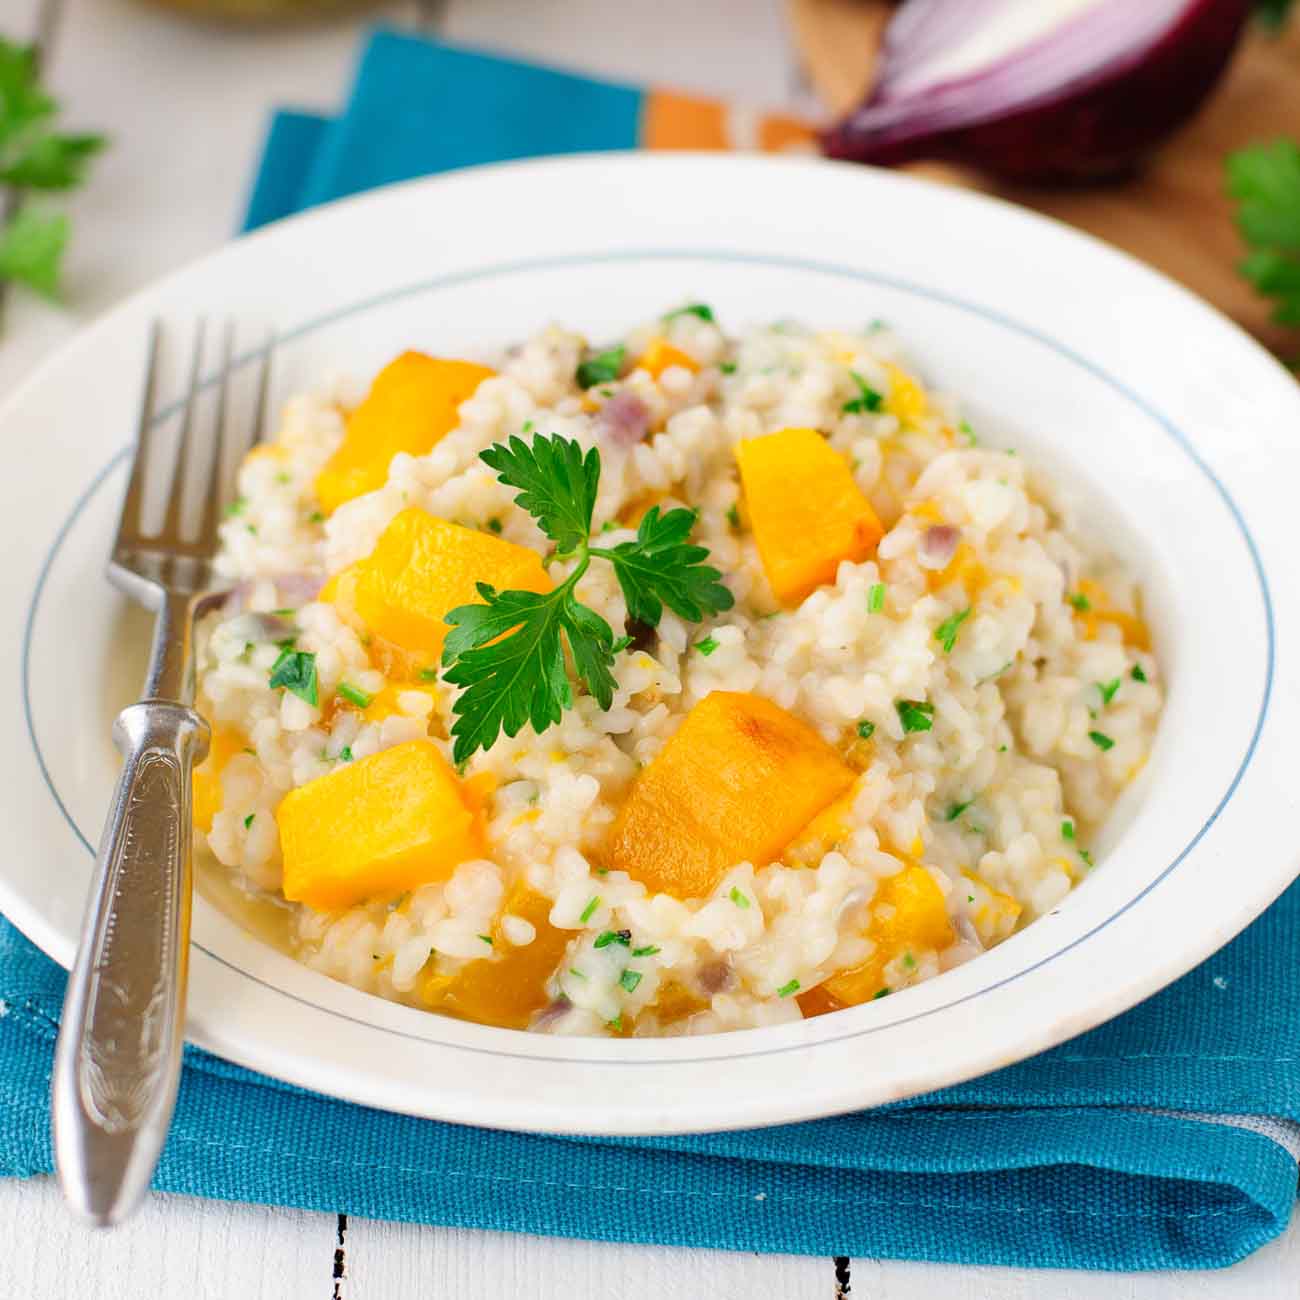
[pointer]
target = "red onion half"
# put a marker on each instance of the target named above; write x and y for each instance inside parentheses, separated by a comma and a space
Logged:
(1039, 90)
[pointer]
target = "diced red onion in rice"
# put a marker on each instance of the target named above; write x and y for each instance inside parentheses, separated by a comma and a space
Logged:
(937, 546)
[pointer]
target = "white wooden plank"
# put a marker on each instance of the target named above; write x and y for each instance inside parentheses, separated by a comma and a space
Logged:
(396, 1260)
(1272, 1273)
(174, 1247)
(720, 48)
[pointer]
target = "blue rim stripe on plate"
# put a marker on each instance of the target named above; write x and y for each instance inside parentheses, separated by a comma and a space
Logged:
(454, 279)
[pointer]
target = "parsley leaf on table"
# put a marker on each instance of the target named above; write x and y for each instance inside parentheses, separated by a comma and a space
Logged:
(34, 156)
(1265, 179)
(1273, 13)
(661, 568)
(507, 653)
(31, 251)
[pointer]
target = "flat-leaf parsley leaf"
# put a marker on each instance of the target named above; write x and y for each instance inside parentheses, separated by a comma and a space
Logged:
(1265, 181)
(508, 652)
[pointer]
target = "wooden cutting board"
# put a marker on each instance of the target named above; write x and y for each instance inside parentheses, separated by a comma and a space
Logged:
(1176, 215)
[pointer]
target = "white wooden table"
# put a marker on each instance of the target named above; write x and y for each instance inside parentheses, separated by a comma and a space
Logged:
(161, 86)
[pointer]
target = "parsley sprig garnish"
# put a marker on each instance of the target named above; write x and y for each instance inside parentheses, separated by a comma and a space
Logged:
(33, 156)
(1265, 181)
(508, 652)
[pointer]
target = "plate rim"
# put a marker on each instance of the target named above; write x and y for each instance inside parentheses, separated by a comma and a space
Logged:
(1166, 971)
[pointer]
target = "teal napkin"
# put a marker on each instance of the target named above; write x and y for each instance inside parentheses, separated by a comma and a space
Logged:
(1165, 1139)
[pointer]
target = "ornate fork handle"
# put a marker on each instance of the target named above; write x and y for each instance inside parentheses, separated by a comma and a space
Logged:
(118, 1062)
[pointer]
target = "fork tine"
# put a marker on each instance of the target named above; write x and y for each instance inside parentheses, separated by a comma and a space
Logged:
(133, 503)
(180, 470)
(263, 391)
(212, 501)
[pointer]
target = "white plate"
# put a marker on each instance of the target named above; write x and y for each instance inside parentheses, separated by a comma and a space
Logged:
(1175, 423)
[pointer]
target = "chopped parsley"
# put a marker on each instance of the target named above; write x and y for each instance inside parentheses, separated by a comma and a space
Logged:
(237, 507)
(739, 897)
(699, 309)
(1101, 740)
(1086, 856)
(964, 427)
(915, 715)
(487, 939)
(248, 821)
(970, 898)
(909, 962)
(1108, 689)
(629, 979)
(1079, 601)
(1137, 674)
(866, 729)
(428, 674)
(295, 670)
(616, 1024)
(1067, 829)
(876, 598)
(600, 369)
(881, 993)
(946, 632)
(727, 367)
(590, 910)
(613, 936)
(345, 754)
(733, 517)
(316, 517)
(573, 970)
(956, 810)
(868, 399)
(648, 951)
(354, 694)
(707, 646)
(494, 525)
(786, 989)
(528, 427)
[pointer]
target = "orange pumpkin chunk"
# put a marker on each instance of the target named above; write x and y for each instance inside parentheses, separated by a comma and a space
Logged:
(413, 402)
(661, 354)
(507, 987)
(207, 795)
(736, 783)
(382, 825)
(908, 914)
(806, 511)
(421, 568)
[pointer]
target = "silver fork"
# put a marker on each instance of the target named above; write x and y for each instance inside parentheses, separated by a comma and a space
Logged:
(117, 1065)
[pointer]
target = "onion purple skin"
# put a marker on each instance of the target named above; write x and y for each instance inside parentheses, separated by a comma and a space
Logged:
(1098, 128)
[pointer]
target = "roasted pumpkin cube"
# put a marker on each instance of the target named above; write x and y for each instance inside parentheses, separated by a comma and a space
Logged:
(805, 509)
(736, 783)
(508, 986)
(908, 914)
(661, 354)
(413, 402)
(382, 825)
(207, 796)
(421, 568)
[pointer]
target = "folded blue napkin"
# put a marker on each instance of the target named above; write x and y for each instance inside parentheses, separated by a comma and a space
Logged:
(1165, 1139)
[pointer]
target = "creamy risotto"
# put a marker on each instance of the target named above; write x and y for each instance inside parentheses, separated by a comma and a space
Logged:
(815, 694)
